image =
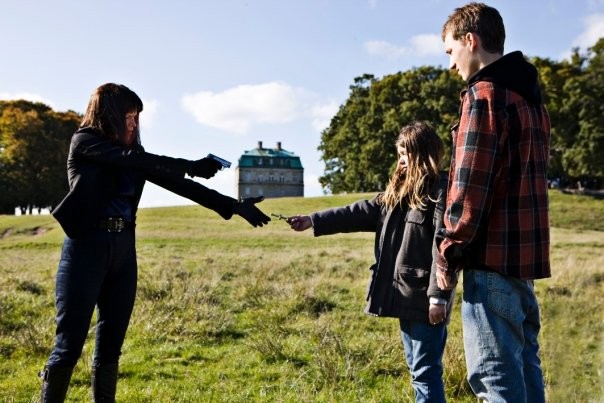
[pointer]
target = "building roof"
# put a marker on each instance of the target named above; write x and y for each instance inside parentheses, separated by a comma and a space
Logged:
(250, 156)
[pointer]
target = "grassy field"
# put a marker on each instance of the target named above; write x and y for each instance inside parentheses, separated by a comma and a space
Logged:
(227, 312)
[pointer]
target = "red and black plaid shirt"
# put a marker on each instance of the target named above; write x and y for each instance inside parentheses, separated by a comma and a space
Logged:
(497, 203)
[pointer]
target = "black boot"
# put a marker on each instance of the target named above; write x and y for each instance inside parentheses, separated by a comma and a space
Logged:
(55, 381)
(104, 382)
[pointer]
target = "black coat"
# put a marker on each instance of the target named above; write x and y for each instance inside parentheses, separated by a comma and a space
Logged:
(94, 165)
(403, 276)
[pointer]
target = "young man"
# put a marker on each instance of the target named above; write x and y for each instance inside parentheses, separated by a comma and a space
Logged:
(496, 223)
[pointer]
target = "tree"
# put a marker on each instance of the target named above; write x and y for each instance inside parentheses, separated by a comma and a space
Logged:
(34, 141)
(554, 77)
(584, 158)
(358, 146)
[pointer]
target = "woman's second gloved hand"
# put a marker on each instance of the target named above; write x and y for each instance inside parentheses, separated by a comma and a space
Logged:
(247, 209)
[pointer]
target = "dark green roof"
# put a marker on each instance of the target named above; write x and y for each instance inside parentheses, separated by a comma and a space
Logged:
(251, 158)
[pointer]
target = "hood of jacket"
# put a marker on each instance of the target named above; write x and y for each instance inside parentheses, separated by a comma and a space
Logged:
(513, 72)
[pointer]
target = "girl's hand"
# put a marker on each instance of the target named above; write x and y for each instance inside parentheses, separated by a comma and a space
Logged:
(299, 222)
(437, 313)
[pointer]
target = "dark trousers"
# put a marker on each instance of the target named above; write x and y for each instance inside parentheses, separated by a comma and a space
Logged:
(99, 270)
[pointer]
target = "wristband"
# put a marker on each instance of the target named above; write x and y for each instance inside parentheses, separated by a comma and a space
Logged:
(438, 301)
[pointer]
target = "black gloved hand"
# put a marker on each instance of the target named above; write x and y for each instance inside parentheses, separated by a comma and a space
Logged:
(247, 209)
(205, 167)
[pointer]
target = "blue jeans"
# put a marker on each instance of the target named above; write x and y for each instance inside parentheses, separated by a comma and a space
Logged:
(99, 270)
(500, 317)
(424, 346)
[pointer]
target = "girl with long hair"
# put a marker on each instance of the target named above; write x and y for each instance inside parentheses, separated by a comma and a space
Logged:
(405, 219)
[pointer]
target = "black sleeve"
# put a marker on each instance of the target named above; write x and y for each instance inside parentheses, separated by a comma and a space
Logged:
(92, 147)
(439, 209)
(361, 216)
(208, 198)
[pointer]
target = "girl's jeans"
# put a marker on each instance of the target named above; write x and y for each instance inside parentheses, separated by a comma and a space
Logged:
(424, 346)
(99, 270)
(501, 324)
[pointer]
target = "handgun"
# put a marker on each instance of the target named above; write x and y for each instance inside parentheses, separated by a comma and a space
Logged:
(223, 162)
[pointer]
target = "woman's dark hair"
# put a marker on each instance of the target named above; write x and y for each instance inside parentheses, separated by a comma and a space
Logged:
(107, 109)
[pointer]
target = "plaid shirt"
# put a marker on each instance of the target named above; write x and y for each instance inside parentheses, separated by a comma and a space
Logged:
(496, 216)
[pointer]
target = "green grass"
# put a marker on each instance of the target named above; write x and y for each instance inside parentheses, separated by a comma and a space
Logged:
(227, 312)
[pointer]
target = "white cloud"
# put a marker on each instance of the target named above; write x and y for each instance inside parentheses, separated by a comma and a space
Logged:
(27, 96)
(383, 48)
(594, 30)
(419, 45)
(427, 45)
(237, 109)
(147, 117)
(321, 114)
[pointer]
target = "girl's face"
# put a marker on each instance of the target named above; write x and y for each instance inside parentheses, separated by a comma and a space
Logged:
(131, 123)
(403, 158)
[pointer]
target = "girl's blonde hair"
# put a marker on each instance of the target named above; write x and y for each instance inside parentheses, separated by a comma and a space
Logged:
(412, 185)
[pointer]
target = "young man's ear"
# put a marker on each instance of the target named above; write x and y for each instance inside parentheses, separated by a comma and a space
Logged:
(472, 40)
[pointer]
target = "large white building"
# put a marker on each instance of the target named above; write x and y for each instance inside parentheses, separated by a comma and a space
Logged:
(269, 172)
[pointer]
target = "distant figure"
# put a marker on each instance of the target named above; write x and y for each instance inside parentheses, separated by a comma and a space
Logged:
(403, 285)
(497, 215)
(107, 168)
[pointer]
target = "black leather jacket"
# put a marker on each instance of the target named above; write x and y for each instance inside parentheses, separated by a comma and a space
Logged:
(93, 167)
(403, 276)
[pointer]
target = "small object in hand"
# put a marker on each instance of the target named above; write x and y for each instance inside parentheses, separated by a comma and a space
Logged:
(279, 216)
(223, 162)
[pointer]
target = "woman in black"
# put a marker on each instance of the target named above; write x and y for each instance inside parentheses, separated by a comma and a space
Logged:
(107, 169)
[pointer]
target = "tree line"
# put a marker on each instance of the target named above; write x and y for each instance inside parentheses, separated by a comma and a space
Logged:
(34, 142)
(358, 145)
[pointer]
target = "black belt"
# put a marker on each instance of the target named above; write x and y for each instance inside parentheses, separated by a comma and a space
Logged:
(115, 224)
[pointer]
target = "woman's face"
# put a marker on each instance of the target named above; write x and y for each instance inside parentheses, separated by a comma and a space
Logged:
(131, 124)
(403, 158)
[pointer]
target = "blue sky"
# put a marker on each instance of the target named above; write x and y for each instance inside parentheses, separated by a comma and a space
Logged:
(219, 76)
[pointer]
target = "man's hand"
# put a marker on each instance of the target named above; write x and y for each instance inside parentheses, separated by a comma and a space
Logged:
(446, 280)
(205, 167)
(247, 209)
(446, 275)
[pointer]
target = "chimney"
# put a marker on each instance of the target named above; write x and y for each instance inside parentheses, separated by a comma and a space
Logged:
(279, 145)
(260, 145)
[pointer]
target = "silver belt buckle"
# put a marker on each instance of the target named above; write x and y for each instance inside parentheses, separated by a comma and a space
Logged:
(116, 224)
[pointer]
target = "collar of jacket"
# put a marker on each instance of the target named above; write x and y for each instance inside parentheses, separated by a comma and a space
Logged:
(512, 71)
